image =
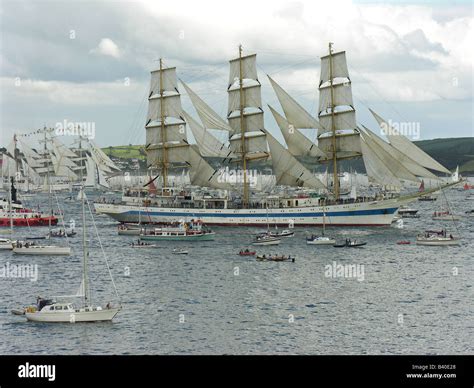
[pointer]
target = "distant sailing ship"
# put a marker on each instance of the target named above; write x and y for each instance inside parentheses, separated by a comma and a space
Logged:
(339, 138)
(81, 164)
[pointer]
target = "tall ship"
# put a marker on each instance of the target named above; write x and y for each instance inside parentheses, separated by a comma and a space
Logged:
(219, 198)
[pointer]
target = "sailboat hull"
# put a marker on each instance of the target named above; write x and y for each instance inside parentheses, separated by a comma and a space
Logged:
(43, 251)
(376, 213)
(73, 317)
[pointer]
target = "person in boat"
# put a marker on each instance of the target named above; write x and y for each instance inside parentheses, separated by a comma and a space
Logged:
(451, 237)
(108, 306)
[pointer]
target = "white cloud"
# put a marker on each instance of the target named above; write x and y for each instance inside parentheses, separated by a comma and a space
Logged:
(107, 47)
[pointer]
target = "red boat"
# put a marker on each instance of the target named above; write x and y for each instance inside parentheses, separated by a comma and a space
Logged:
(247, 253)
(404, 242)
(26, 219)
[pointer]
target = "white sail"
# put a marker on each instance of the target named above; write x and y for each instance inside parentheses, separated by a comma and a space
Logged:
(165, 127)
(342, 120)
(288, 171)
(246, 104)
(249, 68)
(209, 145)
(101, 180)
(200, 172)
(29, 172)
(81, 291)
(170, 81)
(61, 168)
(294, 112)
(298, 144)
(62, 149)
(376, 169)
(404, 159)
(8, 166)
(347, 145)
(339, 67)
(255, 142)
(455, 175)
(404, 145)
(32, 157)
(81, 194)
(208, 116)
(101, 157)
(91, 170)
(342, 96)
(396, 168)
(251, 95)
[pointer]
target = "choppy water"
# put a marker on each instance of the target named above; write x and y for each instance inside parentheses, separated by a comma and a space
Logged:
(213, 301)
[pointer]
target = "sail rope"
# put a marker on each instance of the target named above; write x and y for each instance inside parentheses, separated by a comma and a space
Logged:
(102, 250)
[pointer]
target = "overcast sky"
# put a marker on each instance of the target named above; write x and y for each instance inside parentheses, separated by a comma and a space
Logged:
(89, 61)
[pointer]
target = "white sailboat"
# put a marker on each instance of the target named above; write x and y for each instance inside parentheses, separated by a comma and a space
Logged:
(56, 311)
(437, 238)
(31, 248)
(323, 239)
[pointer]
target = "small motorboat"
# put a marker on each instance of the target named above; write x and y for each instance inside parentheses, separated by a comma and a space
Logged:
(61, 232)
(320, 240)
(470, 213)
(141, 244)
(283, 233)
(350, 244)
(266, 239)
(180, 251)
(37, 237)
(427, 198)
(275, 258)
(247, 253)
(7, 244)
(403, 242)
(407, 212)
(130, 230)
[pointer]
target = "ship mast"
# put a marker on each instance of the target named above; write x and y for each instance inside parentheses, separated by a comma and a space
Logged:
(243, 150)
(164, 156)
(333, 128)
(85, 252)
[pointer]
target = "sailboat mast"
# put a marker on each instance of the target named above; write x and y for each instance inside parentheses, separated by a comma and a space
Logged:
(48, 181)
(10, 213)
(333, 128)
(243, 150)
(164, 158)
(84, 232)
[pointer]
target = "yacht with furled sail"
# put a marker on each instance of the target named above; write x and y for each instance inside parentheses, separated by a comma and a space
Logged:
(59, 309)
(389, 164)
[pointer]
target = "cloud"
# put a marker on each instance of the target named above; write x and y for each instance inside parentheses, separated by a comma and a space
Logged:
(398, 54)
(107, 47)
